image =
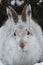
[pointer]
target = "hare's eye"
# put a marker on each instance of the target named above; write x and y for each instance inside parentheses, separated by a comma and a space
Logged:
(14, 34)
(28, 32)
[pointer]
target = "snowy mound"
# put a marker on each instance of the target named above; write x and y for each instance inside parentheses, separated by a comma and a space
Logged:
(39, 63)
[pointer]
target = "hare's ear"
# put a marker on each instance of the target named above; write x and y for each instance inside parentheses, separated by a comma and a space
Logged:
(26, 13)
(12, 13)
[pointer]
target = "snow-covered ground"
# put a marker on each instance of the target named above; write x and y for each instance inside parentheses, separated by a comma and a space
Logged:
(39, 63)
(1, 63)
(34, 64)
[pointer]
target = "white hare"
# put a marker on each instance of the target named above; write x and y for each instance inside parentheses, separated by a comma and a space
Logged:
(20, 39)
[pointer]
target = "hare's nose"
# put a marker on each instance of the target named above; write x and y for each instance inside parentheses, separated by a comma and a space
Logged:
(22, 45)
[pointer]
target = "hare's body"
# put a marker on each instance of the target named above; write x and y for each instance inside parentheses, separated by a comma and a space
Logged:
(20, 42)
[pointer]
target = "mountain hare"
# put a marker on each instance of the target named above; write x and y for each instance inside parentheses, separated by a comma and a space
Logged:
(20, 39)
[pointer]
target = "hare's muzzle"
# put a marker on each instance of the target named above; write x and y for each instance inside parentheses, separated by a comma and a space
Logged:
(22, 45)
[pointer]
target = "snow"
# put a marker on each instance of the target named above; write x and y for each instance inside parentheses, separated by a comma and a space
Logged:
(40, 1)
(34, 64)
(17, 2)
(12, 2)
(39, 63)
(1, 63)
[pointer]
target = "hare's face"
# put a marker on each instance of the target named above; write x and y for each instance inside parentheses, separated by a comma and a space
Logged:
(23, 37)
(21, 41)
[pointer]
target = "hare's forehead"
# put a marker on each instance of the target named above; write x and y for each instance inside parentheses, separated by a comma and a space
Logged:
(22, 26)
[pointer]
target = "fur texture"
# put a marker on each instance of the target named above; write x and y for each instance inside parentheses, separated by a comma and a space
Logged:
(13, 34)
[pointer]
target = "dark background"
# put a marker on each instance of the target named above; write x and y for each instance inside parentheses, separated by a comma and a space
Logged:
(37, 10)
